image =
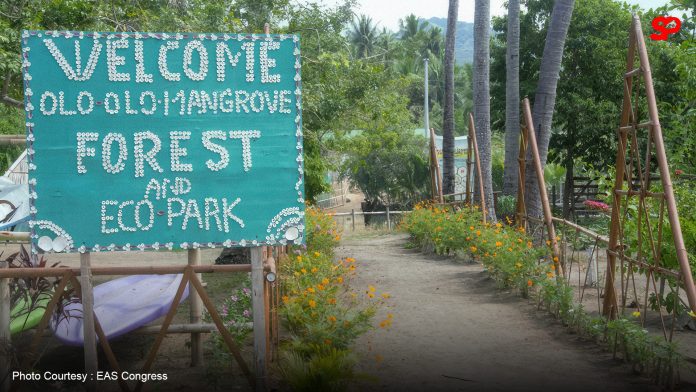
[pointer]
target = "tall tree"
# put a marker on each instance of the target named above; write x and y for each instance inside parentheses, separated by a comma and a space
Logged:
(545, 96)
(364, 36)
(482, 99)
(448, 113)
(512, 99)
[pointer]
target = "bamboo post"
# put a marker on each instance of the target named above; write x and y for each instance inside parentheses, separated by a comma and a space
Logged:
(438, 179)
(89, 334)
(521, 172)
(5, 337)
(474, 143)
(352, 215)
(469, 191)
(548, 217)
(388, 219)
(195, 312)
(258, 306)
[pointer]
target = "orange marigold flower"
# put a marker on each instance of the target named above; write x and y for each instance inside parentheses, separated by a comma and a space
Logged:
(350, 260)
(339, 279)
(498, 244)
(331, 301)
(286, 299)
(530, 283)
(312, 303)
(304, 271)
(386, 295)
(310, 289)
(314, 270)
(299, 258)
(332, 319)
(473, 249)
(478, 233)
(325, 281)
(555, 258)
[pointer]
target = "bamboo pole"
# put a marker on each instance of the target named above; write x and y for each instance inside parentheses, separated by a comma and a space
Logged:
(195, 312)
(469, 191)
(145, 270)
(438, 178)
(548, 217)
(258, 306)
(89, 334)
(472, 136)
(521, 210)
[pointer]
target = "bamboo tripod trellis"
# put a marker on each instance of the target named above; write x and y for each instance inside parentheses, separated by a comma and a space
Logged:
(528, 140)
(640, 151)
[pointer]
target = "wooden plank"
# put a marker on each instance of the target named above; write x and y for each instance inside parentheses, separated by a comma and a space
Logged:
(257, 301)
(90, 338)
(195, 313)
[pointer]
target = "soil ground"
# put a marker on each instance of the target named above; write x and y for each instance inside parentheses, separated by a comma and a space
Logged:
(454, 330)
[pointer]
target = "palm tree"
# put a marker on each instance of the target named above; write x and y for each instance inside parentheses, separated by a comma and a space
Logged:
(363, 36)
(432, 42)
(512, 99)
(448, 113)
(387, 44)
(410, 26)
(482, 99)
(545, 96)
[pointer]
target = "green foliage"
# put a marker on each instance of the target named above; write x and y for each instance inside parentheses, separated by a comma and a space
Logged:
(324, 369)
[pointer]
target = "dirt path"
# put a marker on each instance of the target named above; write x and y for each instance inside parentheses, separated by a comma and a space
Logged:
(453, 330)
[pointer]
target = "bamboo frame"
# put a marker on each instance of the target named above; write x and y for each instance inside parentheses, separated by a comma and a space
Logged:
(521, 209)
(436, 165)
(70, 276)
(627, 156)
(472, 136)
(548, 217)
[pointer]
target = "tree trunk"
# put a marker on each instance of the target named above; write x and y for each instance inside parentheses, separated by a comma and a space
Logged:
(545, 97)
(482, 99)
(512, 99)
(448, 113)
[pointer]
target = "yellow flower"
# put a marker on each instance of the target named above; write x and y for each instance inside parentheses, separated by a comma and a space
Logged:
(386, 295)
(498, 225)
(371, 288)
(314, 270)
(390, 316)
(636, 314)
(530, 283)
(320, 287)
(352, 268)
(471, 228)
(296, 273)
(317, 254)
(473, 249)
(339, 279)
(548, 242)
(555, 258)
(304, 271)
(350, 260)
(478, 233)
(312, 303)
(310, 289)
(498, 244)
(371, 295)
(332, 319)
(299, 258)
(325, 281)
(331, 301)
(286, 299)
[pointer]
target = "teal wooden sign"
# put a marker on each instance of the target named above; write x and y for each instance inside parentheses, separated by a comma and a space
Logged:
(162, 141)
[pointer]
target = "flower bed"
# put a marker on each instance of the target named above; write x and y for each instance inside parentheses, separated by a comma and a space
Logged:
(321, 312)
(511, 259)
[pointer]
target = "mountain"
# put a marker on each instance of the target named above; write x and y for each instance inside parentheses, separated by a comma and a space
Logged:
(464, 41)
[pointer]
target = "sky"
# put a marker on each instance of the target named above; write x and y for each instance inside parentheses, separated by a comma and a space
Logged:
(388, 12)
